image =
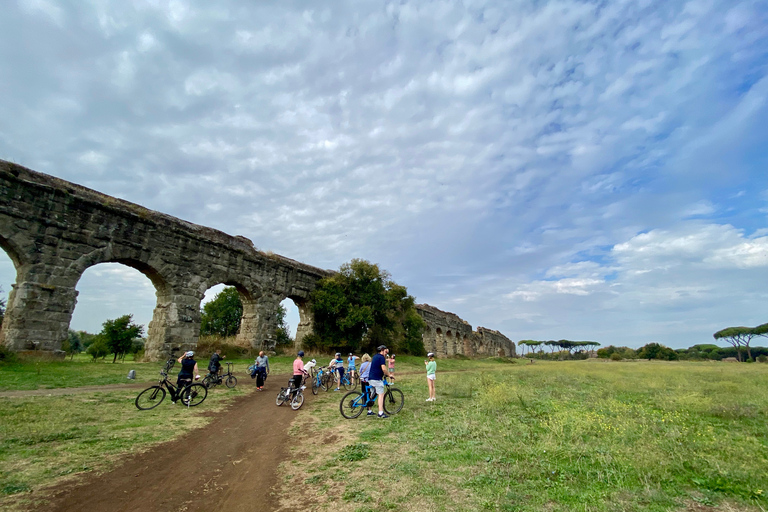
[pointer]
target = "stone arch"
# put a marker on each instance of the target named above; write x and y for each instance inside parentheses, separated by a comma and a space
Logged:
(450, 344)
(13, 252)
(306, 323)
(468, 347)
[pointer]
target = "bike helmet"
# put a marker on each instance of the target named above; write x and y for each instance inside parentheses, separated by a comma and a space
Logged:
(338, 354)
(301, 353)
(381, 347)
(189, 354)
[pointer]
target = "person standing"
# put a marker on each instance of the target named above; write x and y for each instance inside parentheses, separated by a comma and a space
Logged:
(188, 370)
(262, 370)
(352, 366)
(391, 366)
(338, 367)
(431, 368)
(365, 368)
(376, 376)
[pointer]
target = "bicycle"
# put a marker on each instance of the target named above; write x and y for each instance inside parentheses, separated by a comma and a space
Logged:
(190, 395)
(320, 380)
(295, 395)
(213, 379)
(353, 403)
(346, 381)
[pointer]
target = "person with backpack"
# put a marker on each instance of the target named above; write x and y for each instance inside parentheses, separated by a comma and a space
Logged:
(262, 370)
(214, 365)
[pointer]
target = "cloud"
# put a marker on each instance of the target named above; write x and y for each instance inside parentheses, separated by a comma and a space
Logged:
(483, 153)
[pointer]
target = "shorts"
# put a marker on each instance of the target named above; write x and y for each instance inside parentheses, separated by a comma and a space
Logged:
(378, 385)
(431, 376)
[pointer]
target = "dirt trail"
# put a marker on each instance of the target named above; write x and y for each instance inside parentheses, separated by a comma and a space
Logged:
(229, 464)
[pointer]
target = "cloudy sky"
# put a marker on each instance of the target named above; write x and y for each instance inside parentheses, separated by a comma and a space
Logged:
(586, 170)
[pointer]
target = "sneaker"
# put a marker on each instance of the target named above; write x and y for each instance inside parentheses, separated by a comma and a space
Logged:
(382, 415)
(370, 413)
(337, 389)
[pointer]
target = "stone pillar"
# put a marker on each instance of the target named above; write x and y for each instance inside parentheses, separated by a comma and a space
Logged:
(37, 315)
(259, 323)
(306, 323)
(175, 325)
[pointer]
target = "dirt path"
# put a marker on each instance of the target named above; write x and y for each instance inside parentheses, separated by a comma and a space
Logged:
(228, 465)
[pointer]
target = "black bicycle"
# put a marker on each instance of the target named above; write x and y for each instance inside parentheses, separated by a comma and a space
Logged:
(190, 395)
(214, 379)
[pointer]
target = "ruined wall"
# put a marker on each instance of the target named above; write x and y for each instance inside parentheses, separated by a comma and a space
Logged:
(53, 230)
(446, 335)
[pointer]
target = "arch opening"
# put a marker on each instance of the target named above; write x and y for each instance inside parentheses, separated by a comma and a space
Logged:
(107, 291)
(289, 322)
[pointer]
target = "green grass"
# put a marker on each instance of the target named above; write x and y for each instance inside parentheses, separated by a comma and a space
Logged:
(83, 371)
(580, 435)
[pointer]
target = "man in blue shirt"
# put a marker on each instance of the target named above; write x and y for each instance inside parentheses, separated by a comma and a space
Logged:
(376, 376)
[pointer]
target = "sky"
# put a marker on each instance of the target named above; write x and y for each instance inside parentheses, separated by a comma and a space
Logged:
(581, 170)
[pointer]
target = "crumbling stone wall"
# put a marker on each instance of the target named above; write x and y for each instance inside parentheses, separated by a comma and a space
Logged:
(446, 335)
(53, 230)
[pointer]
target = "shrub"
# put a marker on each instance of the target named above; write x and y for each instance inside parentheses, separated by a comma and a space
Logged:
(615, 357)
(7, 355)
(762, 359)
(209, 344)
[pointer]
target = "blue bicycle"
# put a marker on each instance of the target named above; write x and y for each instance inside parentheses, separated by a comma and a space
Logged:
(353, 403)
(321, 379)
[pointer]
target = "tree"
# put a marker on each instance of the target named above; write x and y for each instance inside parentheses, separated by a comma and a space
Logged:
(73, 344)
(657, 351)
(283, 331)
(118, 334)
(738, 337)
(360, 307)
(223, 314)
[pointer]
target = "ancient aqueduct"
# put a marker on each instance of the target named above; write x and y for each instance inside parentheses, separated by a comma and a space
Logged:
(53, 230)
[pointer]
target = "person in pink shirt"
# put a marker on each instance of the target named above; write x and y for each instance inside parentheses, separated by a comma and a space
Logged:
(298, 370)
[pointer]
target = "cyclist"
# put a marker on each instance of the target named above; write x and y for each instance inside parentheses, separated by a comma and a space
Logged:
(364, 369)
(214, 365)
(338, 366)
(298, 371)
(376, 376)
(351, 365)
(188, 369)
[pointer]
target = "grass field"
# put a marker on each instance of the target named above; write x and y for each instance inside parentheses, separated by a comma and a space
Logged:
(582, 435)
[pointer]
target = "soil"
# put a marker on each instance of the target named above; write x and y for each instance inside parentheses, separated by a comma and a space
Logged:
(230, 464)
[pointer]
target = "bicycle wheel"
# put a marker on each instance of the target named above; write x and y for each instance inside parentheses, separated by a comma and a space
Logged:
(208, 382)
(231, 381)
(150, 398)
(315, 386)
(297, 401)
(327, 382)
(282, 396)
(193, 395)
(352, 405)
(393, 401)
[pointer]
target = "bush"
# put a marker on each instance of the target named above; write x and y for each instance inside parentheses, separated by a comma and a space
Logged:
(615, 357)
(210, 344)
(98, 349)
(762, 359)
(7, 355)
